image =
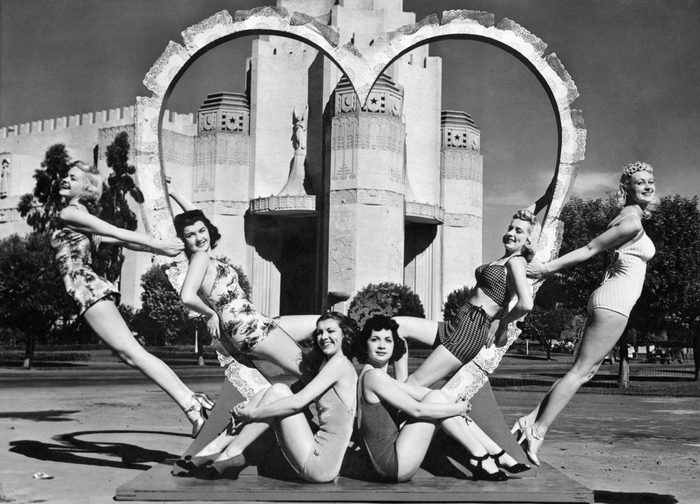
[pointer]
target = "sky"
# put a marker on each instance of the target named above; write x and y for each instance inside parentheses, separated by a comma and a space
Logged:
(635, 63)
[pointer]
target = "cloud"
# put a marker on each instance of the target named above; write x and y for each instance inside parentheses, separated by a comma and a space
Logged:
(513, 199)
(594, 184)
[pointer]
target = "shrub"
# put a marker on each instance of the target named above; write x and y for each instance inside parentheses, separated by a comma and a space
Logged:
(455, 300)
(387, 298)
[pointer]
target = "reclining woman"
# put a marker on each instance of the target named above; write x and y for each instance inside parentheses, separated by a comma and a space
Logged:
(315, 457)
(96, 297)
(211, 288)
(397, 420)
(459, 341)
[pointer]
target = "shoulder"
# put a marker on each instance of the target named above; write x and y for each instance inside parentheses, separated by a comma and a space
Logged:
(375, 377)
(628, 222)
(517, 263)
(200, 257)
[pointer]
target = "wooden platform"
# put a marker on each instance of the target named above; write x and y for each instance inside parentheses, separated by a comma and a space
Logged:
(158, 484)
(442, 478)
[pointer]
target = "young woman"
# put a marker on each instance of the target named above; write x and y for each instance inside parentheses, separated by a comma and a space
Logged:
(397, 442)
(96, 297)
(610, 304)
(460, 340)
(211, 288)
(315, 457)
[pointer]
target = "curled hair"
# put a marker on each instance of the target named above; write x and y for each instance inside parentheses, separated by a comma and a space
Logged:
(528, 250)
(622, 194)
(92, 192)
(379, 323)
(347, 327)
(181, 221)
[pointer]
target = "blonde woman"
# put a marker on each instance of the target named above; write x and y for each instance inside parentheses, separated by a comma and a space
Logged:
(97, 298)
(610, 304)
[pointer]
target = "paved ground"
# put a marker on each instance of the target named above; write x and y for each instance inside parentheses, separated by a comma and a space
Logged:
(94, 428)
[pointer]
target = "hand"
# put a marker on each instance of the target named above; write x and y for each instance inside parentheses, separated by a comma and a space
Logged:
(536, 269)
(243, 412)
(464, 407)
(501, 335)
(170, 248)
(213, 326)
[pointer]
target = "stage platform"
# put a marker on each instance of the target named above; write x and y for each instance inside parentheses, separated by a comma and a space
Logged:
(549, 486)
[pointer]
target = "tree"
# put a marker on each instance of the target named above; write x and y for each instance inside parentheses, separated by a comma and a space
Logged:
(386, 298)
(671, 294)
(455, 300)
(32, 295)
(114, 206)
(41, 207)
(546, 324)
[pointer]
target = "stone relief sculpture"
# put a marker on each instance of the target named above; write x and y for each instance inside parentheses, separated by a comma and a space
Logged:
(4, 177)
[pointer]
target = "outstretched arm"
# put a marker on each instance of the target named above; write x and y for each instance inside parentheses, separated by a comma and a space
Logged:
(182, 202)
(401, 396)
(516, 273)
(627, 229)
(84, 222)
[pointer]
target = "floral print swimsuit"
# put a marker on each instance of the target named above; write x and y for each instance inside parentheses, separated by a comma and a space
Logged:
(240, 321)
(74, 257)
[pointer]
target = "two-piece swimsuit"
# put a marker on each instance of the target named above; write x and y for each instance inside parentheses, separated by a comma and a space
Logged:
(465, 335)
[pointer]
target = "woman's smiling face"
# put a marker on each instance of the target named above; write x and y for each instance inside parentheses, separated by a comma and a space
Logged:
(329, 337)
(380, 347)
(196, 237)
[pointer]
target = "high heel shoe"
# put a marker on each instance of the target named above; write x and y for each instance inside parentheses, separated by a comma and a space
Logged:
(197, 412)
(479, 473)
(222, 469)
(515, 468)
(533, 440)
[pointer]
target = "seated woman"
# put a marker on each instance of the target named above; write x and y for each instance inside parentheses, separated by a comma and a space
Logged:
(315, 457)
(212, 289)
(397, 447)
(459, 341)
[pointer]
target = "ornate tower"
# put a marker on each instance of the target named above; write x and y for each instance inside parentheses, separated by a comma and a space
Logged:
(366, 186)
(461, 177)
(221, 176)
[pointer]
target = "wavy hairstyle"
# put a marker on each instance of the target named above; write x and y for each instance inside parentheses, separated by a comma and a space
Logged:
(346, 326)
(189, 217)
(379, 323)
(622, 194)
(528, 250)
(92, 191)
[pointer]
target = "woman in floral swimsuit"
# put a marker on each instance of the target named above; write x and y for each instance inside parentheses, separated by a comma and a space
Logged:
(211, 288)
(97, 298)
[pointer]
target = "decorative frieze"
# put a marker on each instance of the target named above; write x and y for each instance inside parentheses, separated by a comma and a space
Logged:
(367, 197)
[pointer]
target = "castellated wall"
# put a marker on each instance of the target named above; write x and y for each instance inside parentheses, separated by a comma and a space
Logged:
(25, 145)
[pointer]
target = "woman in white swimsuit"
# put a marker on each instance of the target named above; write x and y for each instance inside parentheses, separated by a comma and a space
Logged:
(610, 304)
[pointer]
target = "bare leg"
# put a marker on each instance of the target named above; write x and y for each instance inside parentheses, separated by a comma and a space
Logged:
(414, 440)
(104, 318)
(439, 364)
(298, 327)
(603, 330)
(417, 329)
(219, 443)
(294, 433)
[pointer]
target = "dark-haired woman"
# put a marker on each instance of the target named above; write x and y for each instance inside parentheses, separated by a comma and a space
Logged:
(397, 420)
(315, 456)
(211, 288)
(609, 305)
(96, 297)
(459, 341)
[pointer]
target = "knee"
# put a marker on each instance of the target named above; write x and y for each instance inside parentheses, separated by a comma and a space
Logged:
(278, 391)
(437, 396)
(127, 358)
